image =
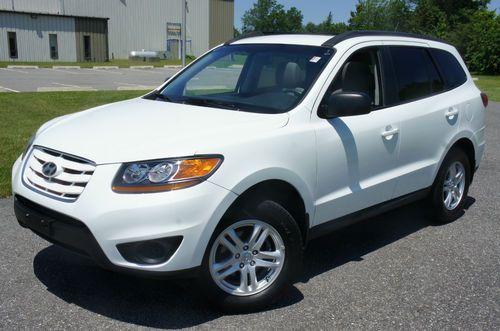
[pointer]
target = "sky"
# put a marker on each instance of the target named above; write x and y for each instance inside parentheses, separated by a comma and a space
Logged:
(316, 10)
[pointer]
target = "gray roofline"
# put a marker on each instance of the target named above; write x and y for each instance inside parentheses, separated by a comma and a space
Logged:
(49, 14)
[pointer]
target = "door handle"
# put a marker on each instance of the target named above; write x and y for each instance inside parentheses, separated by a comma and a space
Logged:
(389, 133)
(452, 112)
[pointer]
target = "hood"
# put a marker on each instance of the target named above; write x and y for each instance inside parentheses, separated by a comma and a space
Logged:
(141, 129)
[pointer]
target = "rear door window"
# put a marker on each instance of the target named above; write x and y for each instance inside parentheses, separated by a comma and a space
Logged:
(454, 74)
(415, 73)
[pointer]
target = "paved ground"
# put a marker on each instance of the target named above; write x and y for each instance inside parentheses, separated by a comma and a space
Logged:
(29, 80)
(396, 271)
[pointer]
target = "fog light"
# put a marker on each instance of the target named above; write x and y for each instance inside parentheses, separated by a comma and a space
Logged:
(155, 251)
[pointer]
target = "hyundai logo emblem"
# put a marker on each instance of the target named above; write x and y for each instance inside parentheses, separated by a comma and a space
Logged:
(49, 169)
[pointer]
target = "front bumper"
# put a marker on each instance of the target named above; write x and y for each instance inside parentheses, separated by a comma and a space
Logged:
(100, 220)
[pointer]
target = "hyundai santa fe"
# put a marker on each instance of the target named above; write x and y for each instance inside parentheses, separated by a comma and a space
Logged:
(228, 169)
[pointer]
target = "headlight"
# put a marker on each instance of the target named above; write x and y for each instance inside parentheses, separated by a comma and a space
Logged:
(164, 175)
(28, 145)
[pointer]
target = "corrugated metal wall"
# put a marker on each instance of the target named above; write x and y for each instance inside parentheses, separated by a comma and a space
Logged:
(141, 24)
(221, 29)
(32, 34)
(45, 6)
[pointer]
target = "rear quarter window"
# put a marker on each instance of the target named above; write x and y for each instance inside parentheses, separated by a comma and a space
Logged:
(449, 66)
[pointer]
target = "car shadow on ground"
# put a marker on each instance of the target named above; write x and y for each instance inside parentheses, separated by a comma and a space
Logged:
(177, 304)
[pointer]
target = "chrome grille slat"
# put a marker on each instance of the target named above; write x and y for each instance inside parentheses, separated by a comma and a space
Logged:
(67, 184)
(62, 162)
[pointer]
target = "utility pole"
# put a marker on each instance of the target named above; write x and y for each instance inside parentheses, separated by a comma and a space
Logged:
(183, 32)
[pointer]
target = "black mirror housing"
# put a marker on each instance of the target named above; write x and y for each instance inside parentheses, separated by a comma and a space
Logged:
(347, 104)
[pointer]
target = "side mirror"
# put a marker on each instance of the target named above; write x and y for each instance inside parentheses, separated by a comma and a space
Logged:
(346, 104)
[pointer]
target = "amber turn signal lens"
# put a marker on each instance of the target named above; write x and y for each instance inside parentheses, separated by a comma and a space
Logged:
(195, 168)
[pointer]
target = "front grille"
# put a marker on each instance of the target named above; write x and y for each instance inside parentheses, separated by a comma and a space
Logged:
(70, 180)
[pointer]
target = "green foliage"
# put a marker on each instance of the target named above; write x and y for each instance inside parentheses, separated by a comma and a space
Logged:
(327, 26)
(391, 15)
(268, 15)
(482, 51)
(466, 24)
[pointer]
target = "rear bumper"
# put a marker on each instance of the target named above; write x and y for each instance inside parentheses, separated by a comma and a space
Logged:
(74, 235)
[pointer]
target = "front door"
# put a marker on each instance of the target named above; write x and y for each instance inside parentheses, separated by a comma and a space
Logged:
(356, 155)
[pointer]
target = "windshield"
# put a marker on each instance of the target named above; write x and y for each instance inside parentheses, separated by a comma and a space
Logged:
(255, 78)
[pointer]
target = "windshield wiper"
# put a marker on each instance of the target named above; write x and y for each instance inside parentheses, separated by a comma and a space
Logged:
(159, 96)
(211, 103)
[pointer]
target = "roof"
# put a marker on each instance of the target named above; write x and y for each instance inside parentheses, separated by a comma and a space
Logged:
(49, 14)
(319, 39)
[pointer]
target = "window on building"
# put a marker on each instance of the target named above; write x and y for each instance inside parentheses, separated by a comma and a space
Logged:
(54, 52)
(87, 55)
(11, 36)
(418, 80)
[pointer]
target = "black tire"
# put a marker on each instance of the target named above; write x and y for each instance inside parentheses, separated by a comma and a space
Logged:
(440, 213)
(272, 213)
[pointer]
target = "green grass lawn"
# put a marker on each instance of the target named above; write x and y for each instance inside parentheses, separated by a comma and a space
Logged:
(489, 85)
(120, 63)
(22, 114)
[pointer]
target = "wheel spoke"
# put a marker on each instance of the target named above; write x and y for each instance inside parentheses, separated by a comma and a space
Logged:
(447, 200)
(260, 241)
(227, 272)
(255, 233)
(235, 238)
(223, 265)
(269, 255)
(266, 264)
(453, 172)
(253, 278)
(226, 243)
(458, 177)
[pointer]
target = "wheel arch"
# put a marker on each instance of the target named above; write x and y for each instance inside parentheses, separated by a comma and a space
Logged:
(281, 192)
(465, 143)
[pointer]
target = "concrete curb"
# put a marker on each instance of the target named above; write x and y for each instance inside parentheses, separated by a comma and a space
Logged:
(65, 89)
(135, 88)
(172, 66)
(141, 67)
(105, 67)
(66, 67)
(21, 67)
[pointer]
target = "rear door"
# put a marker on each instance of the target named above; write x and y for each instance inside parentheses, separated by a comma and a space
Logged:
(428, 118)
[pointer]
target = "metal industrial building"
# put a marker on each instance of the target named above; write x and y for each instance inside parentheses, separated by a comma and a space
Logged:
(98, 30)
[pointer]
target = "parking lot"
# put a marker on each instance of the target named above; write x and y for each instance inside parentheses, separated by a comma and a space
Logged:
(42, 80)
(395, 271)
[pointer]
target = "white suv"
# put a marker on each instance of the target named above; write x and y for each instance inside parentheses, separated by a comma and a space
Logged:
(230, 167)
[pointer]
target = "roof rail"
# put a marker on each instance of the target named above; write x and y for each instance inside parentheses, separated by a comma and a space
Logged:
(270, 33)
(366, 33)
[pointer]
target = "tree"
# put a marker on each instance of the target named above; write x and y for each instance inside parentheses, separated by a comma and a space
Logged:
(268, 15)
(482, 50)
(392, 15)
(236, 32)
(428, 19)
(327, 26)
